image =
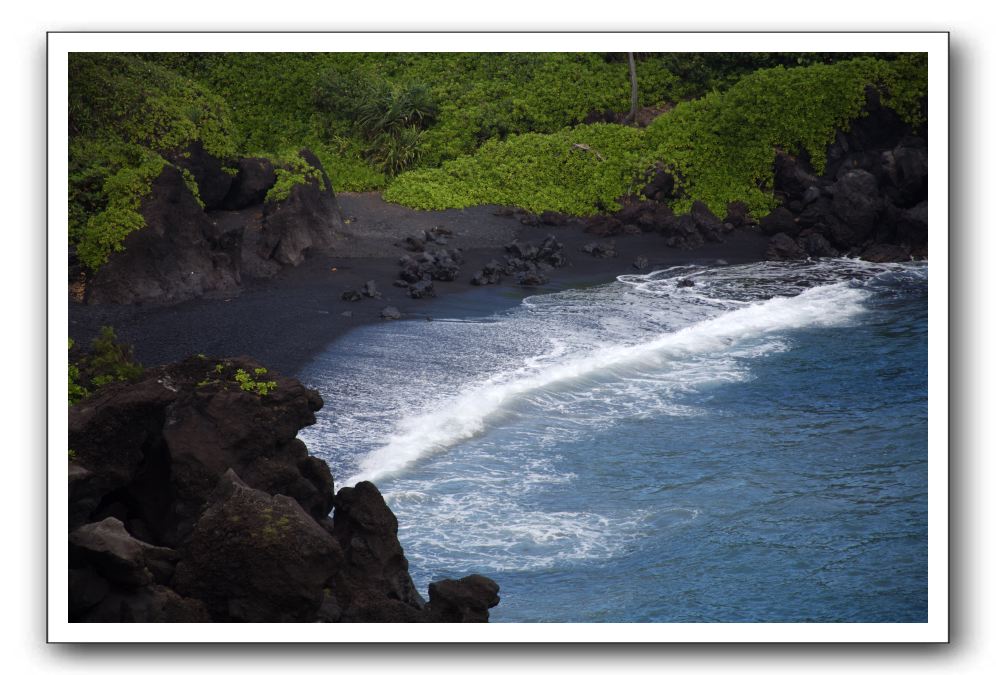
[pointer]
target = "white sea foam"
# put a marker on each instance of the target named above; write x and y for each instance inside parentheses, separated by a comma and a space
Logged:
(410, 405)
(468, 412)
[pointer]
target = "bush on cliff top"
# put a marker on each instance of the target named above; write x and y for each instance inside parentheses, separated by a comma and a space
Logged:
(721, 147)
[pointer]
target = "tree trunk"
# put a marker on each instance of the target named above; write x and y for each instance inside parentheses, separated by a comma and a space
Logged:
(634, 99)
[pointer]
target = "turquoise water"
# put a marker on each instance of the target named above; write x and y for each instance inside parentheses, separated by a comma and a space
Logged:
(750, 448)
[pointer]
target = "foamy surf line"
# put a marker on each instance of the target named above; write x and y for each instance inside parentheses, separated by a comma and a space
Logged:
(466, 415)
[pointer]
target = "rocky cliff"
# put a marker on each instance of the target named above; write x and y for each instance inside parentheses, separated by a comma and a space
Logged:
(196, 244)
(191, 499)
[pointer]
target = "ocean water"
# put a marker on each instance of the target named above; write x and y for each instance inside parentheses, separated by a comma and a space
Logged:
(750, 448)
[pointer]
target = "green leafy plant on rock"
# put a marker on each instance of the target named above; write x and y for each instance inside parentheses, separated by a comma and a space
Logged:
(292, 169)
(107, 360)
(77, 392)
(249, 382)
(720, 147)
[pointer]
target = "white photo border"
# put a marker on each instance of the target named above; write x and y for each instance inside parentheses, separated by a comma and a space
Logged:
(935, 629)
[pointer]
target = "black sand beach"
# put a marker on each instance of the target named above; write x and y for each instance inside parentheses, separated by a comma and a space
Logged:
(284, 321)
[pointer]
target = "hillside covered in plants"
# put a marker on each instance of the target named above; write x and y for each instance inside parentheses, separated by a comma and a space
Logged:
(544, 132)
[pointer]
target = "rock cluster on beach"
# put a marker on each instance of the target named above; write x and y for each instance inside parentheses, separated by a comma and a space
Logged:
(191, 499)
(525, 262)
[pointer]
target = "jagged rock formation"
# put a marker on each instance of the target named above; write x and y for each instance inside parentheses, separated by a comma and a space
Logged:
(191, 499)
(187, 250)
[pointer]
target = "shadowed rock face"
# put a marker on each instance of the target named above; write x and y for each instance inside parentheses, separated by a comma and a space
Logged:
(191, 499)
(176, 256)
(187, 250)
(871, 202)
(302, 222)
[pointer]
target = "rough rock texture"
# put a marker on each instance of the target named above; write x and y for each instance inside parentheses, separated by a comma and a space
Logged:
(255, 177)
(302, 222)
(257, 557)
(524, 261)
(373, 583)
(464, 600)
(186, 250)
(157, 447)
(191, 499)
(179, 254)
(783, 247)
(870, 202)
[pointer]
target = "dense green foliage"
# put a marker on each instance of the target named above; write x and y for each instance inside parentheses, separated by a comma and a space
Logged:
(721, 146)
(127, 119)
(578, 171)
(441, 130)
(327, 101)
(106, 361)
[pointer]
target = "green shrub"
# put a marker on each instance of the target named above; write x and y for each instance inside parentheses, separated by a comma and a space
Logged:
(126, 116)
(579, 171)
(122, 194)
(721, 147)
(110, 360)
(292, 169)
(77, 392)
(106, 361)
(250, 383)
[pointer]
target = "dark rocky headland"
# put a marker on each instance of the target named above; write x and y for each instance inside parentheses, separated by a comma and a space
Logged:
(191, 499)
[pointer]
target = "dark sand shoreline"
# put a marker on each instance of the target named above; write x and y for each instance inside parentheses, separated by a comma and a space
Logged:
(285, 321)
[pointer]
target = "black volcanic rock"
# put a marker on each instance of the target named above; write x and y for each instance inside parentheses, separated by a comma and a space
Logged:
(857, 201)
(192, 499)
(465, 600)
(305, 220)
(157, 447)
(783, 247)
(373, 582)
(255, 177)
(816, 245)
(178, 254)
(213, 182)
(257, 557)
(780, 220)
(708, 224)
(738, 215)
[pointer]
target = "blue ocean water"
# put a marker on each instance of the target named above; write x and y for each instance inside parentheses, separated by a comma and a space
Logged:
(749, 448)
